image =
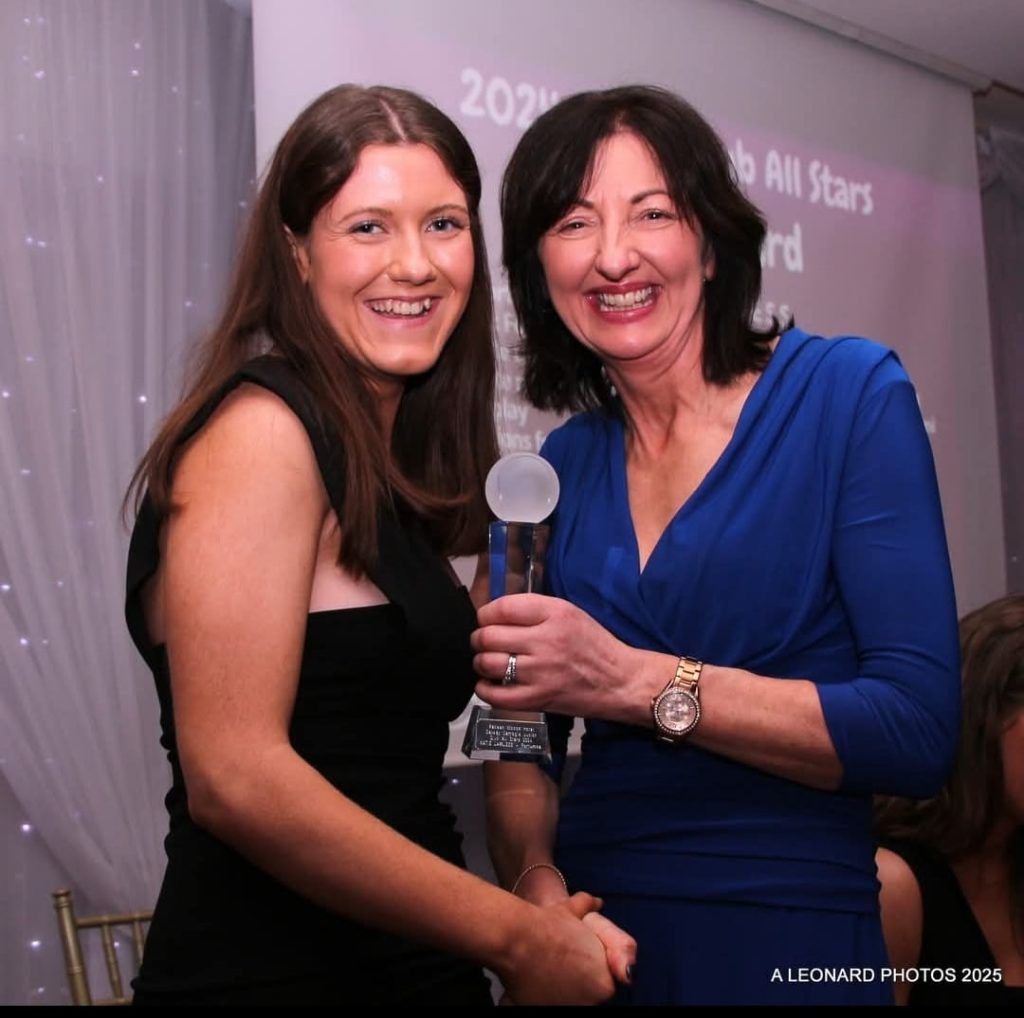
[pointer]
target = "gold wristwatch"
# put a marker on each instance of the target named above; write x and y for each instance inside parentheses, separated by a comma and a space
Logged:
(676, 709)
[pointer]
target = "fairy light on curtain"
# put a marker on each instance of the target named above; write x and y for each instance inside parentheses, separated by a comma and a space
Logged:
(126, 145)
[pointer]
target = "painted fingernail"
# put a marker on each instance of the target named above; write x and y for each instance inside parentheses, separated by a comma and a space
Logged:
(629, 972)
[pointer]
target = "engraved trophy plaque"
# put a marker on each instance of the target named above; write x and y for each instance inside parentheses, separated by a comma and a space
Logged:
(522, 490)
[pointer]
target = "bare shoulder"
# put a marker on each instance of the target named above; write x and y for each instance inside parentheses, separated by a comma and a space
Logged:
(252, 427)
(239, 550)
(902, 913)
(896, 876)
(254, 450)
(247, 494)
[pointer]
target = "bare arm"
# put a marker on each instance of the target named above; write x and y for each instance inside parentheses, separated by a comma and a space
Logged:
(239, 560)
(522, 811)
(902, 915)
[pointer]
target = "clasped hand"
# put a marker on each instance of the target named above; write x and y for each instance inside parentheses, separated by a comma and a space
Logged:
(575, 956)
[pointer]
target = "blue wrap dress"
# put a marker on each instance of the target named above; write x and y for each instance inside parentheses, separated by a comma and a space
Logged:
(814, 548)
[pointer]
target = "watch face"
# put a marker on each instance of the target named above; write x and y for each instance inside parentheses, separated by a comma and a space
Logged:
(676, 711)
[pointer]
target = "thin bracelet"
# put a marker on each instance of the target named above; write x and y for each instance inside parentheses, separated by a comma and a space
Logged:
(539, 866)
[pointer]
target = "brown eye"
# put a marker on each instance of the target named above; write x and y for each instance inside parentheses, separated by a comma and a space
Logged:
(366, 229)
(445, 224)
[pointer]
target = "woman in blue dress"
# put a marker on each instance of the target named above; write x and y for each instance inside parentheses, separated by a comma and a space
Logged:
(753, 608)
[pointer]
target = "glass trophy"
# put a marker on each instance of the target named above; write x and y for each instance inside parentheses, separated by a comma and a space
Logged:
(522, 491)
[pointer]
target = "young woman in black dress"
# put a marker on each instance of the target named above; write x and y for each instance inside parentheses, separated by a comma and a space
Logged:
(288, 585)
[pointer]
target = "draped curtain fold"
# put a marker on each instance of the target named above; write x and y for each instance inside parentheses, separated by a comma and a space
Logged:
(1001, 166)
(126, 161)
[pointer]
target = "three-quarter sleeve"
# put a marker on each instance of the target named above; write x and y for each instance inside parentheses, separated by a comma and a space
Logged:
(895, 725)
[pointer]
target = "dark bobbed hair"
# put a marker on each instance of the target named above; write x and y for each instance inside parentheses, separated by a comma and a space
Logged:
(547, 174)
(444, 440)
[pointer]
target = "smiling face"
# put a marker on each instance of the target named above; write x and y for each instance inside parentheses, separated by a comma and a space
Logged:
(624, 269)
(389, 261)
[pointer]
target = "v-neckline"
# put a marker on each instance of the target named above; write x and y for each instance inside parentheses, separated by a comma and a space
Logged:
(753, 399)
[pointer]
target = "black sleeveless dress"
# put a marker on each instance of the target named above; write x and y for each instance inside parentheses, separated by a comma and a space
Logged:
(377, 689)
(956, 967)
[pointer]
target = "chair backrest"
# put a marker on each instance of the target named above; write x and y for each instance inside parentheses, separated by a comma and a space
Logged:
(71, 926)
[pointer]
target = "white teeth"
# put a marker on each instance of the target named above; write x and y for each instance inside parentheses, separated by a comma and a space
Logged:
(625, 300)
(408, 308)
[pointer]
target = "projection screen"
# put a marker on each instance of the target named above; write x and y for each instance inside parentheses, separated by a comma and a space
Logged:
(863, 164)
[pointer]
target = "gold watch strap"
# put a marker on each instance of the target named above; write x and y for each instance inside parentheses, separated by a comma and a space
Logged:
(688, 674)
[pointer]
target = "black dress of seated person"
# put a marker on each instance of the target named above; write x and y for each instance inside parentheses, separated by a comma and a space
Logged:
(952, 942)
(377, 689)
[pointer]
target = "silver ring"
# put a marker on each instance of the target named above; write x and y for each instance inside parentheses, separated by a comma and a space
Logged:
(509, 678)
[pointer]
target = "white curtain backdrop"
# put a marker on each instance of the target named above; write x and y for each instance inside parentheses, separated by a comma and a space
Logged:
(1001, 164)
(126, 159)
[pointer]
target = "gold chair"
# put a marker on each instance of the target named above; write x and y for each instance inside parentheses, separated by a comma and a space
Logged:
(70, 927)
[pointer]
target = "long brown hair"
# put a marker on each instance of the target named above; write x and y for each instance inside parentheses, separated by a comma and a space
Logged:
(546, 175)
(443, 440)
